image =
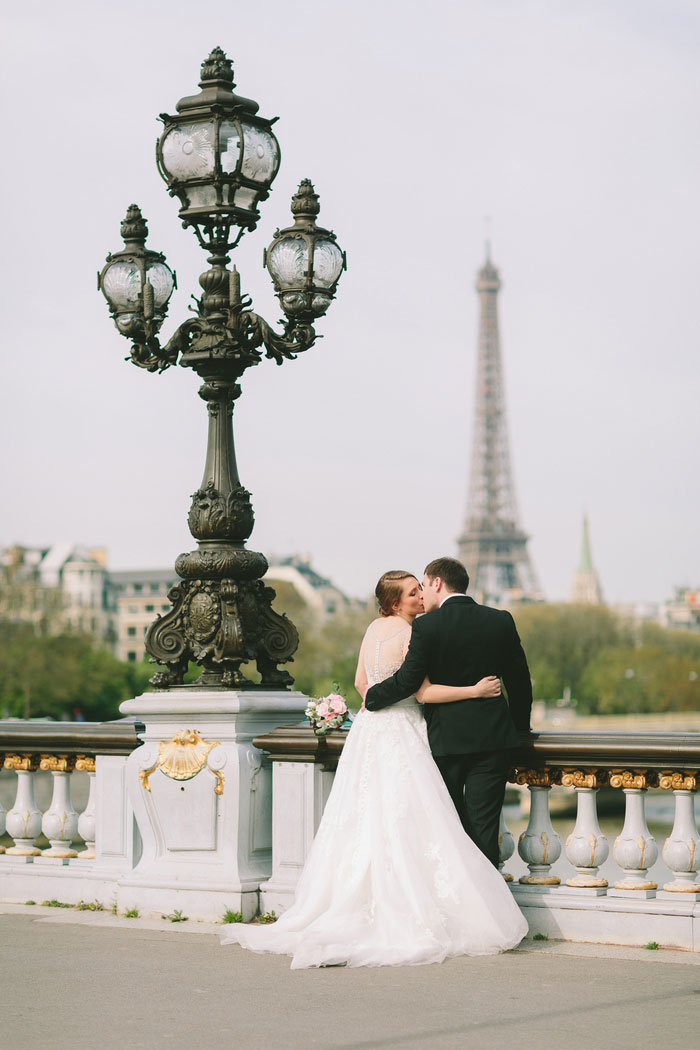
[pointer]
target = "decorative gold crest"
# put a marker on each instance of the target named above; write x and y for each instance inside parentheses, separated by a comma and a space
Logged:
(182, 758)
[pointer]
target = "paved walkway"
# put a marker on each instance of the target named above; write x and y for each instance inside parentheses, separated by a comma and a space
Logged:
(91, 981)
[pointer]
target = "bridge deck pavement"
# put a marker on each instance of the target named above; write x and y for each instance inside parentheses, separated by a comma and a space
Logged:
(92, 981)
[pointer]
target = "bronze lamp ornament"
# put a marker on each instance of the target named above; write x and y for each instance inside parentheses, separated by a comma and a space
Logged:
(219, 158)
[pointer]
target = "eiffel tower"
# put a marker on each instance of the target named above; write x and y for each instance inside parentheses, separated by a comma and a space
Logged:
(493, 546)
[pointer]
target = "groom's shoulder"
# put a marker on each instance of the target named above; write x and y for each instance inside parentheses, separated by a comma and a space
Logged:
(427, 621)
(487, 614)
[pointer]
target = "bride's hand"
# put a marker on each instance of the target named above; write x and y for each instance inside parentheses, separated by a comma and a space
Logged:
(490, 686)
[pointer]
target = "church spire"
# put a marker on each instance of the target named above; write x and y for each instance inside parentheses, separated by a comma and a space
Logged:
(586, 588)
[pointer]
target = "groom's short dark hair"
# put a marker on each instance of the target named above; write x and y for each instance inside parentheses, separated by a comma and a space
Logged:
(451, 572)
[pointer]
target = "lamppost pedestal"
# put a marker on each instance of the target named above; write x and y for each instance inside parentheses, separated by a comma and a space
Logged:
(202, 799)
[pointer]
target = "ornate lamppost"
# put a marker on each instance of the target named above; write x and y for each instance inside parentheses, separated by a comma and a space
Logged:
(219, 157)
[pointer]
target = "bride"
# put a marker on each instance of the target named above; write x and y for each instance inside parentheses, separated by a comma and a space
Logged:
(392, 879)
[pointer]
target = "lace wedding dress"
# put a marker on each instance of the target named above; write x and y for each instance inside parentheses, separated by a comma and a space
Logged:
(391, 878)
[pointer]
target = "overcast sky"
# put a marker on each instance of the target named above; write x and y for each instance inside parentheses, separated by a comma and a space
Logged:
(573, 125)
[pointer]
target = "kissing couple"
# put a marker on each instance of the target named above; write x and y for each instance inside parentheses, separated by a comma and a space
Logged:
(404, 867)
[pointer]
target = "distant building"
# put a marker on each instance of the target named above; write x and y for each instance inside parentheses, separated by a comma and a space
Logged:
(683, 610)
(323, 598)
(69, 588)
(140, 595)
(586, 589)
(58, 588)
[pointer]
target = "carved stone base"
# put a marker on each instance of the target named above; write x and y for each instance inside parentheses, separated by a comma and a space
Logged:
(201, 796)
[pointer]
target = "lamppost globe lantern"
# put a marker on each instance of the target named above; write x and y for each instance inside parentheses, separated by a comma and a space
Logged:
(304, 260)
(136, 282)
(218, 156)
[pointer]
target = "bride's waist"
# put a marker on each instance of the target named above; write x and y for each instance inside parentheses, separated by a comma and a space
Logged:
(409, 701)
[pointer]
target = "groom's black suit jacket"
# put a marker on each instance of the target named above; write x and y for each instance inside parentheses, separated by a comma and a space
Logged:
(459, 644)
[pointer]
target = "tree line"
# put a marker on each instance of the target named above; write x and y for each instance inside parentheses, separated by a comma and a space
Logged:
(607, 664)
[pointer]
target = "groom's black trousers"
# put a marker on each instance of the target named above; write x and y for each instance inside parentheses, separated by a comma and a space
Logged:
(477, 784)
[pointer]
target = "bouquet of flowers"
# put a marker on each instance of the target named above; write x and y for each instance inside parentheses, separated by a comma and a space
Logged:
(328, 712)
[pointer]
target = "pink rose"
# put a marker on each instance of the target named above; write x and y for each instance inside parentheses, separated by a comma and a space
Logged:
(337, 704)
(322, 709)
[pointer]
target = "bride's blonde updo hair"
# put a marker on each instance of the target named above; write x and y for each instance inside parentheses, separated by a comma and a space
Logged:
(388, 590)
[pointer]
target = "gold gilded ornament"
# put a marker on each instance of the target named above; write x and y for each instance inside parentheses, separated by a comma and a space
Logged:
(538, 777)
(579, 778)
(85, 762)
(182, 758)
(632, 778)
(670, 781)
(58, 763)
(27, 763)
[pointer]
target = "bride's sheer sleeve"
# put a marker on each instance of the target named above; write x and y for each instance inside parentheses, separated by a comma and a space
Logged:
(361, 682)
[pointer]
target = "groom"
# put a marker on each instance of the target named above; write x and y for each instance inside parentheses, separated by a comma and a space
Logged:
(459, 642)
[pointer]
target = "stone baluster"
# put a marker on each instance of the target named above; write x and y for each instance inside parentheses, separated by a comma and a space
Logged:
(635, 848)
(506, 848)
(586, 847)
(86, 820)
(539, 845)
(681, 852)
(60, 823)
(24, 819)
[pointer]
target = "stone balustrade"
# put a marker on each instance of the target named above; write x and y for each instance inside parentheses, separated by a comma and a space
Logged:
(633, 910)
(200, 819)
(61, 870)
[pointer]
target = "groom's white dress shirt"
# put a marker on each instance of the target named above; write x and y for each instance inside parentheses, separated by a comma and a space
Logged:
(456, 594)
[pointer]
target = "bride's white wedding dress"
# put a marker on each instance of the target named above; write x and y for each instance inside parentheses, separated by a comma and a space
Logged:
(391, 878)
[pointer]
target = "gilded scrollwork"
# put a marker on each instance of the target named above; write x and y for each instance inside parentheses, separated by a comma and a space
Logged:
(538, 777)
(678, 781)
(58, 763)
(85, 762)
(182, 758)
(27, 763)
(584, 778)
(633, 778)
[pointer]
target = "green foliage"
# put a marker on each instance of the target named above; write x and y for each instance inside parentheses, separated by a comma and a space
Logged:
(652, 946)
(90, 906)
(131, 913)
(265, 918)
(232, 916)
(176, 916)
(561, 640)
(328, 650)
(541, 937)
(30, 902)
(609, 667)
(53, 676)
(55, 904)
